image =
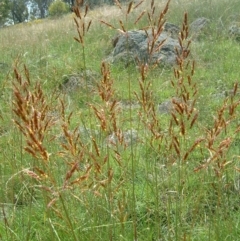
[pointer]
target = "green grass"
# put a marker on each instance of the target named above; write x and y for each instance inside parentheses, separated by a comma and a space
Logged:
(178, 180)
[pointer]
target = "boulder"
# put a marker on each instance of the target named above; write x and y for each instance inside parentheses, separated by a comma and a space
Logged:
(80, 80)
(234, 31)
(132, 47)
(129, 137)
(167, 107)
(172, 29)
(197, 26)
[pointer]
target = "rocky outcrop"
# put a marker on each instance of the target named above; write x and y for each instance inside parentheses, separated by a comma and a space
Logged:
(133, 46)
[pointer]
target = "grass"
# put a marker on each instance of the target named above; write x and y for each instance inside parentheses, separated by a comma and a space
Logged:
(102, 163)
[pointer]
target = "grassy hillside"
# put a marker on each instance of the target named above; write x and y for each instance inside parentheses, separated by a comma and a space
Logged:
(100, 161)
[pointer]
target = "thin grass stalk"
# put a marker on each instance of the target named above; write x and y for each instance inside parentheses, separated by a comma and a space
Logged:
(82, 28)
(110, 198)
(54, 230)
(68, 218)
(133, 161)
(157, 220)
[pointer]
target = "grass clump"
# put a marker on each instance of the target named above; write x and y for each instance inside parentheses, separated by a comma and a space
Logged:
(102, 163)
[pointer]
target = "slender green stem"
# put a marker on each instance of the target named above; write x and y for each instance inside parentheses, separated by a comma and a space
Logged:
(68, 218)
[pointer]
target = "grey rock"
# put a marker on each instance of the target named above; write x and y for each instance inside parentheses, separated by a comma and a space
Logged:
(172, 29)
(132, 47)
(85, 135)
(129, 137)
(225, 94)
(234, 31)
(81, 80)
(167, 53)
(129, 47)
(167, 106)
(6, 211)
(197, 26)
